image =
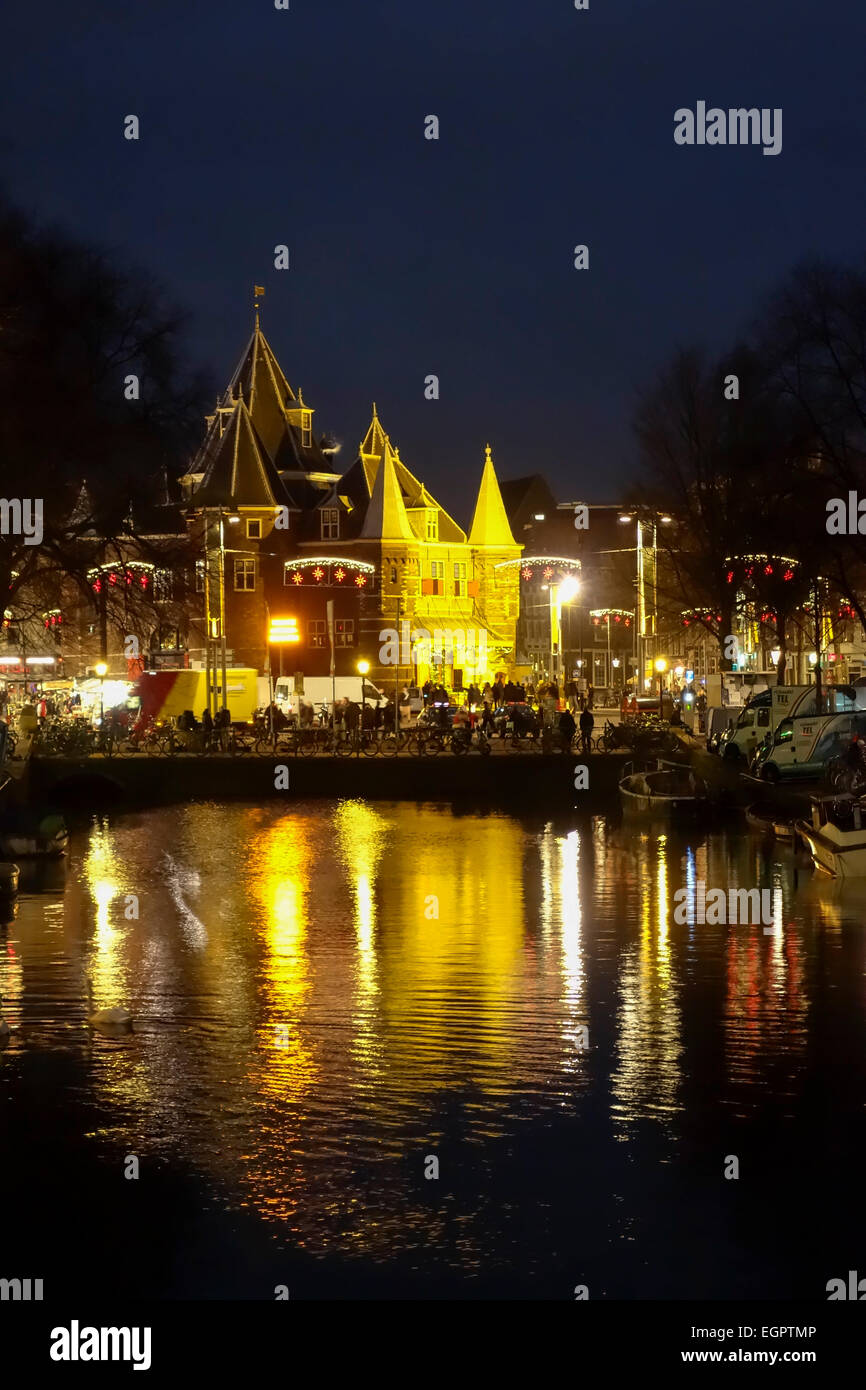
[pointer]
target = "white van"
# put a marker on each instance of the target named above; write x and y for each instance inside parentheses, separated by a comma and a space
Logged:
(804, 747)
(320, 690)
(767, 711)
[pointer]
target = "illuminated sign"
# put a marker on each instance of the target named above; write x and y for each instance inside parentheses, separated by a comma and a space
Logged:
(283, 630)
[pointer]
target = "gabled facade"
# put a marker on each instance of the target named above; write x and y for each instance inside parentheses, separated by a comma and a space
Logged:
(268, 529)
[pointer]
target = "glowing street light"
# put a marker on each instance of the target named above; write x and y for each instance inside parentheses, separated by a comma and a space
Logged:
(102, 671)
(363, 667)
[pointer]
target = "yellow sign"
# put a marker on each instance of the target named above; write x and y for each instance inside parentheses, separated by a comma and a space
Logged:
(283, 630)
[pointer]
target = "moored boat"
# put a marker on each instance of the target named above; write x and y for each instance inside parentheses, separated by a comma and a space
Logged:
(767, 820)
(9, 875)
(26, 835)
(836, 835)
(668, 791)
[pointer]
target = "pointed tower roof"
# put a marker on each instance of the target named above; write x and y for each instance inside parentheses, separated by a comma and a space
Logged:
(240, 473)
(490, 523)
(386, 517)
(372, 448)
(259, 378)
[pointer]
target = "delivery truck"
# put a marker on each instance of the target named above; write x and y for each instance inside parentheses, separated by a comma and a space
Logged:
(158, 696)
(320, 690)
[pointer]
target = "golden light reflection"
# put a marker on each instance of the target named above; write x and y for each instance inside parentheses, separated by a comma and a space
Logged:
(361, 840)
(280, 884)
(104, 877)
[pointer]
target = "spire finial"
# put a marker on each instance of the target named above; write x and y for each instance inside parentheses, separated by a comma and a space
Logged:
(375, 416)
(258, 293)
(487, 455)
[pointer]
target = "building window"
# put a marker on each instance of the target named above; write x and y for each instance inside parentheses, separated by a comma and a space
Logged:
(437, 569)
(199, 576)
(316, 632)
(460, 590)
(344, 632)
(162, 585)
(432, 526)
(254, 529)
(306, 428)
(245, 575)
(393, 574)
(330, 523)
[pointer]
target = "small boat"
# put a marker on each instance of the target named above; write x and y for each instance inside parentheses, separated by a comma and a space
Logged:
(672, 790)
(9, 874)
(767, 820)
(24, 835)
(836, 835)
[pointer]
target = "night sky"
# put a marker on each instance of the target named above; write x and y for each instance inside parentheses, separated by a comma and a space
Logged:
(453, 257)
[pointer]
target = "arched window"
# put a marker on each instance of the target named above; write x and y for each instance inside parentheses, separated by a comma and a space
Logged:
(393, 574)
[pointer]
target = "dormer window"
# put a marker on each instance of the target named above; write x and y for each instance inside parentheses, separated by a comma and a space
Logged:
(254, 529)
(432, 531)
(330, 523)
(306, 428)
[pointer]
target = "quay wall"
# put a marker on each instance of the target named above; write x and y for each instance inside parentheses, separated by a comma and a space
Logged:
(496, 780)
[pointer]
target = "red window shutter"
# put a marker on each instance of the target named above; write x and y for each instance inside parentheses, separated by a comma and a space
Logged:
(427, 586)
(472, 587)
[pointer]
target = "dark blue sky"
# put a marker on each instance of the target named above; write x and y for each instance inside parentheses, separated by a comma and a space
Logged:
(412, 257)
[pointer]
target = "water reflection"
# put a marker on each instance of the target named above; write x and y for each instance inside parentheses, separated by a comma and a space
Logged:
(324, 994)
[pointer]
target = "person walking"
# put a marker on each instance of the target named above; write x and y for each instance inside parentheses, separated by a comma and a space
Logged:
(587, 724)
(623, 708)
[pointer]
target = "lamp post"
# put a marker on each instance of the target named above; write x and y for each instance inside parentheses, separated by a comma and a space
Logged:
(363, 668)
(560, 593)
(661, 667)
(102, 671)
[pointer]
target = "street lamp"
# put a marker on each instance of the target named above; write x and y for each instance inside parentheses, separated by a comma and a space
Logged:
(560, 593)
(661, 667)
(102, 671)
(363, 668)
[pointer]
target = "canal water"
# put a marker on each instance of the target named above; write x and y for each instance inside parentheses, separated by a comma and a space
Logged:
(393, 1050)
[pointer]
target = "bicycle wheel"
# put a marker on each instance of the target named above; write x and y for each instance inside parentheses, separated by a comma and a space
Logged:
(433, 745)
(345, 747)
(390, 746)
(370, 746)
(415, 746)
(307, 746)
(459, 747)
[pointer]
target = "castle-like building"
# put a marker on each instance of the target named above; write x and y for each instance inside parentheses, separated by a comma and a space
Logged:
(264, 502)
